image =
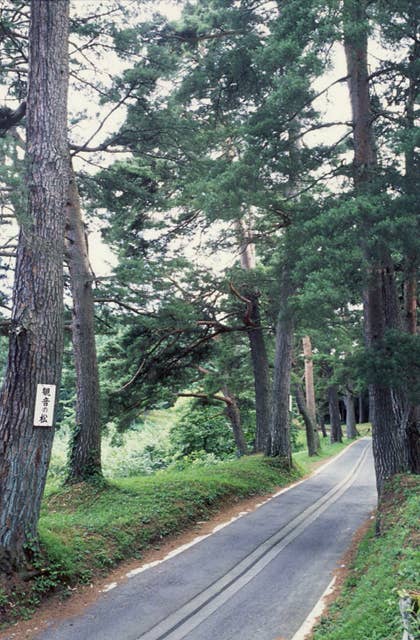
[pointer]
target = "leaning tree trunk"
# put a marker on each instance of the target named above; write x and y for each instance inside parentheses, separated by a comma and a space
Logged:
(279, 444)
(85, 445)
(259, 359)
(389, 406)
(234, 416)
(351, 431)
(36, 334)
(336, 434)
(312, 436)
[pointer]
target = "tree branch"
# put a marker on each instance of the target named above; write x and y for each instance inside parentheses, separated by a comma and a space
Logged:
(247, 318)
(10, 118)
(109, 114)
(207, 397)
(124, 305)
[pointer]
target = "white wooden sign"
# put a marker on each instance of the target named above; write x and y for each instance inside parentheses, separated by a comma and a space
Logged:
(44, 405)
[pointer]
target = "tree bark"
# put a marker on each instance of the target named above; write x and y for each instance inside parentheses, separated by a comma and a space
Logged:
(36, 335)
(388, 406)
(85, 446)
(261, 372)
(312, 436)
(336, 434)
(410, 307)
(351, 431)
(279, 444)
(361, 408)
(234, 416)
(412, 262)
(321, 420)
(410, 297)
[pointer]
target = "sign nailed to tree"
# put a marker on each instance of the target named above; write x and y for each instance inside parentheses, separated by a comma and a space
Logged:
(44, 405)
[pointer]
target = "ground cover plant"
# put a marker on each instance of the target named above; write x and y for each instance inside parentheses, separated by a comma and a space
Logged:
(386, 565)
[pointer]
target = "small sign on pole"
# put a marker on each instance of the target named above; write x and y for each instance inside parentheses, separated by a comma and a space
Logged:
(44, 405)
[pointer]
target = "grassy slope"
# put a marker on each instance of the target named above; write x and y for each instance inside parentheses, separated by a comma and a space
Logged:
(85, 528)
(367, 608)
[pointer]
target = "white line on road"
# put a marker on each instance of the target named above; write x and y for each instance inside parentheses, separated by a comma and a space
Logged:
(316, 612)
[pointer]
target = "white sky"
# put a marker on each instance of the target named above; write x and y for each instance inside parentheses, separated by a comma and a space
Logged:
(335, 105)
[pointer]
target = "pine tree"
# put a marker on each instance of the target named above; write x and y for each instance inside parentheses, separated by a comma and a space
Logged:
(382, 313)
(85, 446)
(35, 350)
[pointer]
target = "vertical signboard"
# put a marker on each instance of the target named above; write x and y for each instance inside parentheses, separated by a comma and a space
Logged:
(44, 405)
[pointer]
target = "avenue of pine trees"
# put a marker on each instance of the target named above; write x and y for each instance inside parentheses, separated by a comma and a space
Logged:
(223, 147)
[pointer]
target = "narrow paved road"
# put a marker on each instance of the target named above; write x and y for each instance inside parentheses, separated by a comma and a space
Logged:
(256, 579)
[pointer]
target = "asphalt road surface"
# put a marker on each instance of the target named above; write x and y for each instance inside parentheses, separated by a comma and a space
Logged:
(256, 579)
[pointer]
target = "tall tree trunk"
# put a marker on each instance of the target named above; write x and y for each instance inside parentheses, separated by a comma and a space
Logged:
(279, 444)
(312, 436)
(413, 427)
(412, 167)
(261, 372)
(361, 399)
(389, 406)
(309, 378)
(36, 335)
(321, 420)
(85, 445)
(336, 434)
(410, 297)
(410, 306)
(351, 431)
(258, 349)
(234, 416)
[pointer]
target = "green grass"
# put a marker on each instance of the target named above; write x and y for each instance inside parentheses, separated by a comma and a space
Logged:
(306, 463)
(367, 609)
(135, 452)
(85, 528)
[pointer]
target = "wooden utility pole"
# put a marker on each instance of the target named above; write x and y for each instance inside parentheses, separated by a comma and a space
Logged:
(309, 378)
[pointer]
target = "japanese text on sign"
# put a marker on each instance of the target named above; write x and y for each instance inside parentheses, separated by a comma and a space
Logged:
(44, 405)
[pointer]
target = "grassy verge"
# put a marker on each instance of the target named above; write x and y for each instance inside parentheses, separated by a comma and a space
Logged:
(306, 464)
(367, 608)
(86, 529)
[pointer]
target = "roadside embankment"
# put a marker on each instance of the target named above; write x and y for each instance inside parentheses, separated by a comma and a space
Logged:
(386, 566)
